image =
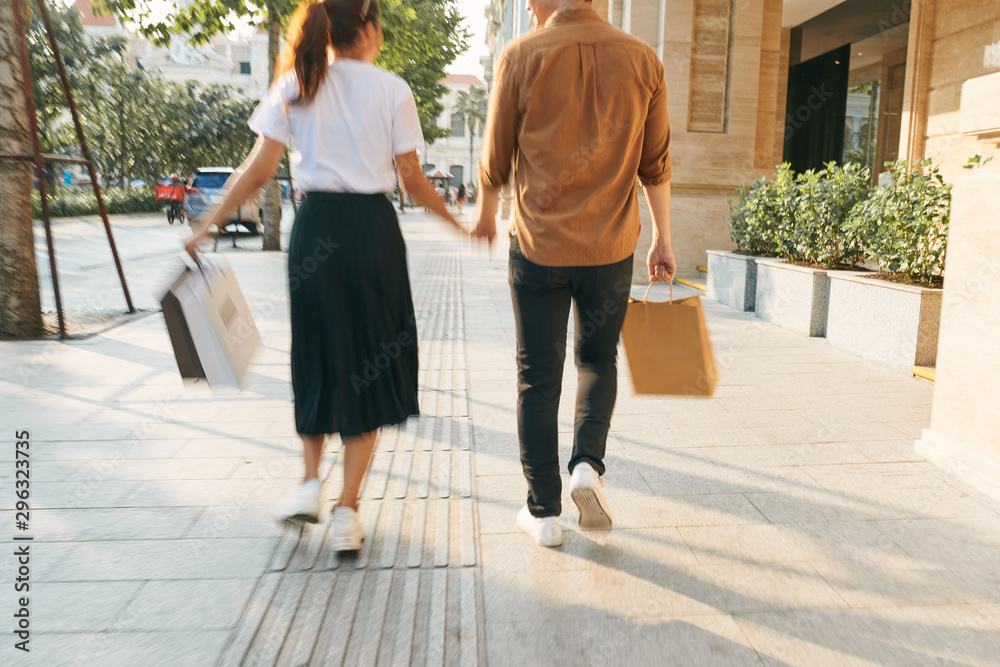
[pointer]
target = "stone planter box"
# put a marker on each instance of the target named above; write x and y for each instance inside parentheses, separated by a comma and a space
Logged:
(732, 279)
(793, 297)
(891, 324)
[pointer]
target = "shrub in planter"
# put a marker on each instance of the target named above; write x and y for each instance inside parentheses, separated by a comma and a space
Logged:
(71, 202)
(823, 203)
(904, 225)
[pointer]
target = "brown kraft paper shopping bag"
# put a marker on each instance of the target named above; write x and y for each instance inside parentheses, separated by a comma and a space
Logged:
(667, 347)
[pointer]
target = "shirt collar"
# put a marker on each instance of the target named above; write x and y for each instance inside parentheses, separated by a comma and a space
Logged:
(573, 16)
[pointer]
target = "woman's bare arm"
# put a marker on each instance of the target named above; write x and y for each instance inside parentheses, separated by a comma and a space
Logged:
(259, 168)
(419, 188)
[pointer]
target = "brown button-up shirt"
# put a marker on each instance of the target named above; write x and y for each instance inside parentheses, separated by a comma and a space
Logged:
(581, 108)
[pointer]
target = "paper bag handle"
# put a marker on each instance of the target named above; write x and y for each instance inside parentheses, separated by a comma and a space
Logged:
(651, 287)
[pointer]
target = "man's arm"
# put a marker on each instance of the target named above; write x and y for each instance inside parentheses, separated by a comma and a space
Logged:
(660, 261)
(654, 174)
(499, 144)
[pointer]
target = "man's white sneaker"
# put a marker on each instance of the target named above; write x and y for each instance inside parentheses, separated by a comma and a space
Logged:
(587, 491)
(303, 506)
(546, 531)
(346, 530)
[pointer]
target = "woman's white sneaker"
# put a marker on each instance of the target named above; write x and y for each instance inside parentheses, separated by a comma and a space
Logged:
(587, 491)
(303, 506)
(346, 530)
(546, 530)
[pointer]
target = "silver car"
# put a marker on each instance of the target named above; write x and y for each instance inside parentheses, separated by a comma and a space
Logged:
(208, 188)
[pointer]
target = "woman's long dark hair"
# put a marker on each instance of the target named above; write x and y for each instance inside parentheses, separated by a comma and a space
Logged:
(313, 29)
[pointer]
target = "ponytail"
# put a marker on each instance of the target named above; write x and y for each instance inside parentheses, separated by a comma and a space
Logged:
(312, 30)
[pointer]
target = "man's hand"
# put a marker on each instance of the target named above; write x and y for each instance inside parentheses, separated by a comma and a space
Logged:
(486, 226)
(661, 264)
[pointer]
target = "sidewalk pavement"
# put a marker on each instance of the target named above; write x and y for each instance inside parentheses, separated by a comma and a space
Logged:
(786, 521)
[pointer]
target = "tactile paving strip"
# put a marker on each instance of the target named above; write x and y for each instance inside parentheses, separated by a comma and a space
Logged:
(412, 594)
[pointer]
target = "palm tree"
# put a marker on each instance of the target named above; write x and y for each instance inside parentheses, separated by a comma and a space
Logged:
(20, 306)
(472, 106)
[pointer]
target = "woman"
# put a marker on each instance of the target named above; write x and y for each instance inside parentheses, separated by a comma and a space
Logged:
(460, 197)
(354, 338)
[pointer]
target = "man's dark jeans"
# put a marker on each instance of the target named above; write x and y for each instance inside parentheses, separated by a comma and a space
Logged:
(542, 297)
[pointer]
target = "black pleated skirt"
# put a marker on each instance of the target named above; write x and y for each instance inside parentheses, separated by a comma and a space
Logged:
(354, 332)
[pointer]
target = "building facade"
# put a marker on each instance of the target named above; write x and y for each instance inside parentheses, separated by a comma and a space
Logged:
(753, 83)
(239, 60)
(451, 154)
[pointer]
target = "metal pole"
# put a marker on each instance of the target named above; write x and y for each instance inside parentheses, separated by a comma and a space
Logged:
(37, 158)
(83, 147)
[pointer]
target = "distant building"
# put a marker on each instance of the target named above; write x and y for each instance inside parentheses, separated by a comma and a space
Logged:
(451, 154)
(240, 61)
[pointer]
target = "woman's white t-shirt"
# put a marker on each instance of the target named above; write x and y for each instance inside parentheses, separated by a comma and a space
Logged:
(345, 139)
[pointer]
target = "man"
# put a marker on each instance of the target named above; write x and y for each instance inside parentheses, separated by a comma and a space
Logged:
(581, 108)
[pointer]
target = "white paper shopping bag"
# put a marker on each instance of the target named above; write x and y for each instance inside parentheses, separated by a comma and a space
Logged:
(211, 329)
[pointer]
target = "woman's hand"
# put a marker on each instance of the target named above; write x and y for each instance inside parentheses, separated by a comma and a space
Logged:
(192, 242)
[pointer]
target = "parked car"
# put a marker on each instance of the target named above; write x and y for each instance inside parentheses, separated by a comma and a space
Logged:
(208, 187)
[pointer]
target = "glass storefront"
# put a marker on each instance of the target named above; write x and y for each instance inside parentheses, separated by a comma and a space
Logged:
(845, 86)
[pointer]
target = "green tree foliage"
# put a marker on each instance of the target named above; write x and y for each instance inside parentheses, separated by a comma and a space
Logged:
(137, 124)
(422, 37)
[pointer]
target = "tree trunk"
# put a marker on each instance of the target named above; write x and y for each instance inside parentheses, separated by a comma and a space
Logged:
(271, 218)
(20, 302)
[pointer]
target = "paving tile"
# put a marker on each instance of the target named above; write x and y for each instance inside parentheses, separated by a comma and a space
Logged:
(659, 592)
(889, 451)
(672, 475)
(632, 510)
(95, 451)
(201, 492)
(769, 456)
(224, 521)
(620, 549)
(953, 635)
(95, 491)
(206, 604)
(812, 505)
(681, 438)
(237, 558)
(892, 581)
(251, 448)
(854, 541)
(134, 469)
(77, 607)
(113, 523)
(173, 649)
(853, 478)
(702, 641)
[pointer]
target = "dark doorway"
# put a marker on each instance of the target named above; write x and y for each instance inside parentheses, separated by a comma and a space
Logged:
(817, 104)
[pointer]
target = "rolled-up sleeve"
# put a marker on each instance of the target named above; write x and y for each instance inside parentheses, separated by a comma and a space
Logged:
(501, 127)
(654, 163)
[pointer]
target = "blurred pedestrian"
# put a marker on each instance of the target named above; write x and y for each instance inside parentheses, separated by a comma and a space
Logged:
(460, 197)
(354, 337)
(575, 230)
